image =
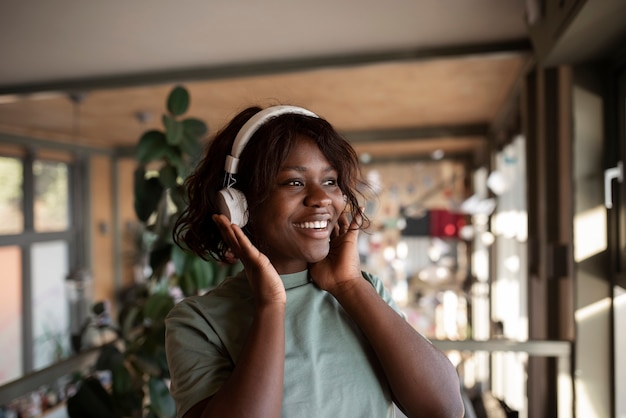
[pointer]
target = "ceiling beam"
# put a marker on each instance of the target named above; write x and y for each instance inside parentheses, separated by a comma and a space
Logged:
(419, 133)
(423, 133)
(464, 157)
(265, 68)
(33, 142)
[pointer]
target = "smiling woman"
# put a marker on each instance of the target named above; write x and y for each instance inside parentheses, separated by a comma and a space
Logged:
(302, 330)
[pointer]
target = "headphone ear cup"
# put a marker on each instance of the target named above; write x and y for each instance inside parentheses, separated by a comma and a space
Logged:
(232, 203)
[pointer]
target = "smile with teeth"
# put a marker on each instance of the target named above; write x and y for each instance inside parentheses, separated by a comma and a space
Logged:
(312, 225)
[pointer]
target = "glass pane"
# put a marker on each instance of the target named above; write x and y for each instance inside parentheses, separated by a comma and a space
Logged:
(51, 196)
(49, 301)
(11, 196)
(10, 314)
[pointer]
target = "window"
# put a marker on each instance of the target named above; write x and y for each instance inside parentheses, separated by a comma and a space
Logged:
(11, 195)
(10, 313)
(51, 196)
(51, 336)
(38, 247)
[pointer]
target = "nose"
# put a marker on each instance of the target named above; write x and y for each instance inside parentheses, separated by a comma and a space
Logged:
(316, 196)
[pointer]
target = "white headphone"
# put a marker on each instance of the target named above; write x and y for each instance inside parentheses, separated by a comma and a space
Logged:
(231, 202)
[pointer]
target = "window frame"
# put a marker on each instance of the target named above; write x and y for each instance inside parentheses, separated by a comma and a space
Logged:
(75, 236)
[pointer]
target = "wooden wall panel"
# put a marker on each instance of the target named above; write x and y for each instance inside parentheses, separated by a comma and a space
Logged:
(127, 222)
(101, 195)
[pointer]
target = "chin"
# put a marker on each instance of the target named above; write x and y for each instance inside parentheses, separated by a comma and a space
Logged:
(317, 256)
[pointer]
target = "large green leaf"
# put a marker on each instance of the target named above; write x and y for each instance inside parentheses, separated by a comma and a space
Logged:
(157, 307)
(195, 128)
(126, 391)
(110, 357)
(132, 318)
(223, 271)
(168, 175)
(178, 101)
(187, 285)
(151, 349)
(160, 256)
(193, 131)
(91, 401)
(173, 130)
(161, 401)
(202, 272)
(191, 146)
(177, 193)
(179, 258)
(151, 146)
(122, 380)
(148, 193)
(193, 272)
(161, 358)
(173, 155)
(147, 365)
(153, 343)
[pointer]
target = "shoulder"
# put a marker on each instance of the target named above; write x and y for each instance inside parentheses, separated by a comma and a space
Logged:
(233, 293)
(374, 281)
(220, 316)
(379, 285)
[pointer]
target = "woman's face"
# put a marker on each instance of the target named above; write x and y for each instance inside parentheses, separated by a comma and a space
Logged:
(293, 226)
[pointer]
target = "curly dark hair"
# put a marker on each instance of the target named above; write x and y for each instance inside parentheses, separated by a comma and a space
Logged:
(259, 164)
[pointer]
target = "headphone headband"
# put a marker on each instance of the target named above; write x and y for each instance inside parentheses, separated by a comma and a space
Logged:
(252, 125)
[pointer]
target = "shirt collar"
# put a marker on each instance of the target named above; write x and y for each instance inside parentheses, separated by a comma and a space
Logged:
(295, 279)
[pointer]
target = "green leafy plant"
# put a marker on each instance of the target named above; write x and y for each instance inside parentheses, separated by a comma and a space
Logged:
(137, 361)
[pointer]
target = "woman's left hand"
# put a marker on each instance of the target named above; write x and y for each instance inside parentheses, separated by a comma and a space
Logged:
(342, 265)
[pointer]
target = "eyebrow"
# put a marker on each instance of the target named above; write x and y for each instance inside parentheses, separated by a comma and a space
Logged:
(303, 169)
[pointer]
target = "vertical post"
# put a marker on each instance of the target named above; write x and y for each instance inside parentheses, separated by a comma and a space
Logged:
(547, 108)
(539, 402)
(27, 288)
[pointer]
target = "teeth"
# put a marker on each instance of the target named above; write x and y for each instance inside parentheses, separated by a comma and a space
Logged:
(313, 225)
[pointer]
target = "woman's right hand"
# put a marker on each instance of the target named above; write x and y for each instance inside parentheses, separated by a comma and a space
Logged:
(264, 280)
(255, 385)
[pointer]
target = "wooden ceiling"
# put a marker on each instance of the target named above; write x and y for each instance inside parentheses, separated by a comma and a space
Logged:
(388, 110)
(400, 78)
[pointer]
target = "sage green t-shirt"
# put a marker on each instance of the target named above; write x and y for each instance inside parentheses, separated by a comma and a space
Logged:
(330, 369)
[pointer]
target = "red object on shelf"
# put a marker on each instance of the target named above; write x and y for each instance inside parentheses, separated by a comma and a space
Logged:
(445, 224)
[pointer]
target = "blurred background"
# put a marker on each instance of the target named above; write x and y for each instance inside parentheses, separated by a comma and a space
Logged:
(492, 132)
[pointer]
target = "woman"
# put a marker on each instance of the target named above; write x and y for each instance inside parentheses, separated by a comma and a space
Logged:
(301, 331)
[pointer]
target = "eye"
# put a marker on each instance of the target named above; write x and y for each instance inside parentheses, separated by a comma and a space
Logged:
(294, 182)
(330, 182)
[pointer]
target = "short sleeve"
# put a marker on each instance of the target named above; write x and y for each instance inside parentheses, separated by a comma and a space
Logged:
(382, 291)
(198, 362)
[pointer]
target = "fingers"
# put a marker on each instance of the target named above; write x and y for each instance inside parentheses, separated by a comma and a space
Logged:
(223, 224)
(232, 234)
(357, 221)
(343, 223)
(235, 238)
